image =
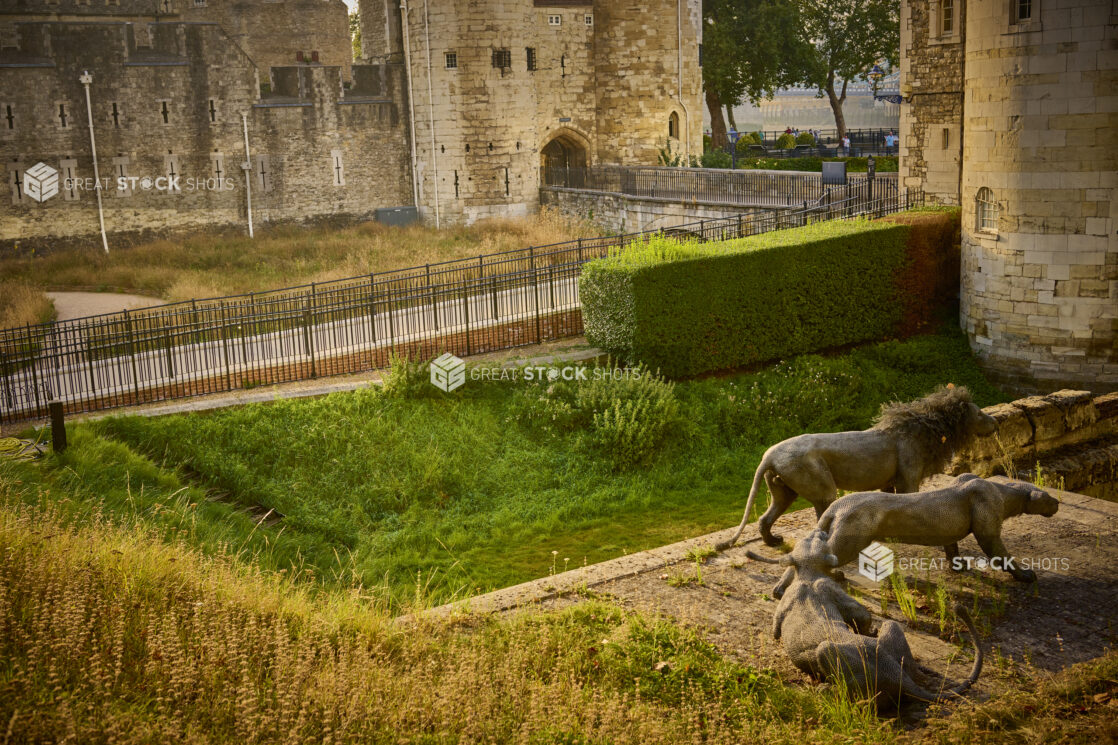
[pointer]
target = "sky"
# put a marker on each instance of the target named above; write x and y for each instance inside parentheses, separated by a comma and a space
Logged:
(352, 5)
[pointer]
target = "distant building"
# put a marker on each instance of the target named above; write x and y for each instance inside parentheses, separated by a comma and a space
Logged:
(503, 87)
(181, 88)
(1011, 111)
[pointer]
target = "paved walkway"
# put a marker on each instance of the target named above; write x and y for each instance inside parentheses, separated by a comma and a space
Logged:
(69, 305)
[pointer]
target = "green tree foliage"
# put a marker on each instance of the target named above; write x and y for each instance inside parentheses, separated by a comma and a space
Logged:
(839, 41)
(750, 49)
(355, 34)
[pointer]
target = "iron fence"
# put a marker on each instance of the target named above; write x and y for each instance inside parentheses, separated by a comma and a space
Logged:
(744, 188)
(470, 306)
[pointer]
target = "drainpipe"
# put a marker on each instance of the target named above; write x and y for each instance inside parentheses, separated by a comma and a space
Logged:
(86, 80)
(431, 109)
(679, 88)
(411, 103)
(247, 168)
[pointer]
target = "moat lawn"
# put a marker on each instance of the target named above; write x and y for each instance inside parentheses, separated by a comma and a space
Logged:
(412, 490)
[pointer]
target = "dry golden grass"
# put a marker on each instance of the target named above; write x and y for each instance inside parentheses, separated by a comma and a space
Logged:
(21, 304)
(209, 265)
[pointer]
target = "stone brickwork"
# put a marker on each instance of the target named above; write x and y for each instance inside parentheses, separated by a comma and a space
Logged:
(931, 82)
(171, 105)
(1039, 186)
(1066, 436)
(600, 84)
(272, 34)
(621, 213)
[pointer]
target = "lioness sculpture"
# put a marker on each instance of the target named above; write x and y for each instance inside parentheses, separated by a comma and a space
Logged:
(941, 517)
(909, 442)
(829, 634)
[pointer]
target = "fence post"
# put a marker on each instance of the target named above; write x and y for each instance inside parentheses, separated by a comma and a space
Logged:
(308, 335)
(57, 426)
(132, 356)
(466, 315)
(372, 309)
(34, 360)
(431, 299)
(535, 289)
(224, 345)
(579, 250)
(170, 352)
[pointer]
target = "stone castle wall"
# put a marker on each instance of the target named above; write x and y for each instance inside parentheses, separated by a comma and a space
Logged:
(931, 82)
(174, 108)
(605, 83)
(270, 33)
(1036, 104)
(1040, 286)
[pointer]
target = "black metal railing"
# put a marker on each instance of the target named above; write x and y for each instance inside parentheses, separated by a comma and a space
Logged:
(744, 188)
(467, 306)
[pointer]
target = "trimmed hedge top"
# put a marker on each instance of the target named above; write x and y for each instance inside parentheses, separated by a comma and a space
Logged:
(689, 308)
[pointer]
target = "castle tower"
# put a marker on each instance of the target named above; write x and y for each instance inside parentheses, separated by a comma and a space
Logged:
(504, 87)
(1038, 181)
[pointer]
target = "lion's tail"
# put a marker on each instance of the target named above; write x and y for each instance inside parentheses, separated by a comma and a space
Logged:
(764, 467)
(919, 693)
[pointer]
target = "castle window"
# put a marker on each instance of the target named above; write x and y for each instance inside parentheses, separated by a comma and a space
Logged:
(68, 174)
(555, 20)
(502, 58)
(164, 111)
(530, 53)
(15, 181)
(166, 6)
(211, 109)
(199, 3)
(120, 171)
(946, 137)
(452, 60)
(9, 116)
(589, 20)
(986, 211)
(63, 116)
(264, 179)
(947, 17)
(336, 167)
(116, 114)
(1023, 10)
(217, 167)
(173, 171)
(673, 126)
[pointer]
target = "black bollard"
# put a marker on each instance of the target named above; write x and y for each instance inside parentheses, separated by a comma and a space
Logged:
(57, 426)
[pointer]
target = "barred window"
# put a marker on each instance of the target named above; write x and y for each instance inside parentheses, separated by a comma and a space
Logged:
(452, 60)
(986, 210)
(502, 58)
(530, 52)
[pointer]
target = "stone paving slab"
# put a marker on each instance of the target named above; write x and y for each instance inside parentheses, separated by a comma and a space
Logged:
(1070, 615)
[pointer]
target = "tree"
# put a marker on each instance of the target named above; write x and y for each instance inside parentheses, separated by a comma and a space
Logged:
(841, 40)
(355, 34)
(750, 49)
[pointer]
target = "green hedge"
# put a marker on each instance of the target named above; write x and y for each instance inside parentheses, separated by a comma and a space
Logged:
(689, 308)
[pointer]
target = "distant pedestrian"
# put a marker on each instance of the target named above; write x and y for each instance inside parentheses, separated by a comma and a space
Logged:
(846, 144)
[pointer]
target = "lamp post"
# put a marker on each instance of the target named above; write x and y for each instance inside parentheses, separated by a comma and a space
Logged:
(733, 134)
(86, 79)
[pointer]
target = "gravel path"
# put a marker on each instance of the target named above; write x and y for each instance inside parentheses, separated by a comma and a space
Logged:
(81, 304)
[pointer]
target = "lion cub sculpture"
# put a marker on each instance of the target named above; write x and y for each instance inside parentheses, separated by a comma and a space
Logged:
(829, 635)
(941, 517)
(908, 443)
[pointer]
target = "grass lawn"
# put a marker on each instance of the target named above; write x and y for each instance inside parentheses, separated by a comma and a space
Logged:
(209, 265)
(456, 493)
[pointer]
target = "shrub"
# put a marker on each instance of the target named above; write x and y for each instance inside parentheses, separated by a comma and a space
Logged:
(716, 159)
(786, 141)
(626, 415)
(687, 308)
(805, 138)
(407, 378)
